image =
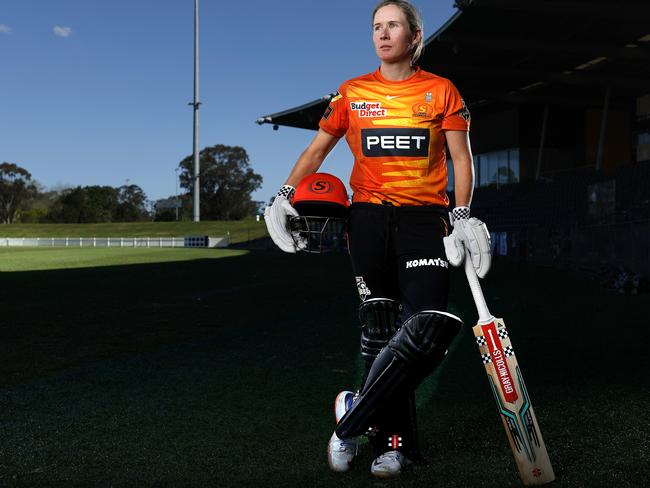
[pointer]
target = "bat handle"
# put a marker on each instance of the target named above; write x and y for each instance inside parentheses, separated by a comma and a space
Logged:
(484, 315)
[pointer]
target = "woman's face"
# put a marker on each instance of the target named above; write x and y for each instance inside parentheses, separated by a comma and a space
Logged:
(391, 34)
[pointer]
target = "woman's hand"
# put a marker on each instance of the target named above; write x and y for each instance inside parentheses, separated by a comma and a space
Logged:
(470, 236)
(276, 217)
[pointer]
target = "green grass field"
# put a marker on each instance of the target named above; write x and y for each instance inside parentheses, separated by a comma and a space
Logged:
(240, 230)
(190, 367)
(40, 259)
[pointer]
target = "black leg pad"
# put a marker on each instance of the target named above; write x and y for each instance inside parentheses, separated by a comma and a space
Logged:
(378, 317)
(413, 353)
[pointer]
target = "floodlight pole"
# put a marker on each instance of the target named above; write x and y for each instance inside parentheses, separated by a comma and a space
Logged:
(195, 105)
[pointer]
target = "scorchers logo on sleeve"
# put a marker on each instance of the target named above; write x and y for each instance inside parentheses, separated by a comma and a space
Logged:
(328, 111)
(464, 112)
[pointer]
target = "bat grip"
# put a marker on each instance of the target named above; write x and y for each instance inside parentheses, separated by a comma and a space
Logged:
(484, 315)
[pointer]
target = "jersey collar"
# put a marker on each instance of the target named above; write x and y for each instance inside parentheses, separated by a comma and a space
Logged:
(378, 75)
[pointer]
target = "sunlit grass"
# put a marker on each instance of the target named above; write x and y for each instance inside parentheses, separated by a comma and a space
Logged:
(34, 258)
(239, 230)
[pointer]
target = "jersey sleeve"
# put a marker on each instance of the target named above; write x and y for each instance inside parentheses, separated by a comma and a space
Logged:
(335, 118)
(456, 115)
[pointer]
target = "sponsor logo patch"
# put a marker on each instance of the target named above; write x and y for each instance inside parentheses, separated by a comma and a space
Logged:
(395, 142)
(328, 112)
(422, 110)
(499, 361)
(464, 112)
(320, 186)
(363, 289)
(416, 263)
(395, 441)
(368, 109)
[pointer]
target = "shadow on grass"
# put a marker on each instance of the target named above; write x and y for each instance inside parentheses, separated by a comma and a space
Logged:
(583, 354)
(58, 318)
(222, 372)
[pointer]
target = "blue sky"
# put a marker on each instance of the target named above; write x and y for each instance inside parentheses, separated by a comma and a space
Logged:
(95, 92)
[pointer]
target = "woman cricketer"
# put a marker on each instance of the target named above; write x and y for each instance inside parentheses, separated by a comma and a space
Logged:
(396, 121)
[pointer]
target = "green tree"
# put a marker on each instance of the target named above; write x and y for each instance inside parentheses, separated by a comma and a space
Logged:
(100, 204)
(132, 204)
(68, 206)
(87, 204)
(16, 186)
(37, 208)
(226, 182)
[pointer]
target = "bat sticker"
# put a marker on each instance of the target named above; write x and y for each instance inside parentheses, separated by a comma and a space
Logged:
(500, 364)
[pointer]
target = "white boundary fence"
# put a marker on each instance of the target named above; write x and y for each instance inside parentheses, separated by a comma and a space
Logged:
(189, 241)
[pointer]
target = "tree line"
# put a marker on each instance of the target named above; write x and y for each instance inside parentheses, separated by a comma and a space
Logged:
(226, 184)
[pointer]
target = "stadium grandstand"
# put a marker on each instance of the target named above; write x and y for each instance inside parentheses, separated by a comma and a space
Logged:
(559, 93)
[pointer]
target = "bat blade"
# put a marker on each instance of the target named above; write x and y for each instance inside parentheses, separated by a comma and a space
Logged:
(507, 385)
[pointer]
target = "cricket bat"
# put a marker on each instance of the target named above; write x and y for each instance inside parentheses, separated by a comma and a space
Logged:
(507, 385)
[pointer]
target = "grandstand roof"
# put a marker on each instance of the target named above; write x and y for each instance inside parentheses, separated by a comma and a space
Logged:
(565, 52)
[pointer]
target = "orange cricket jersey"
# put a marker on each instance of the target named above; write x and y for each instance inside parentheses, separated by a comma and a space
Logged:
(395, 130)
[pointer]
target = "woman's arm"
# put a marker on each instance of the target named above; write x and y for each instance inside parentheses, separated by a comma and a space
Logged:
(461, 155)
(470, 235)
(312, 157)
(277, 214)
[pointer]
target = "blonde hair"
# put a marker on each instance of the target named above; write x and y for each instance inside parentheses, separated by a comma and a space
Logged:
(414, 20)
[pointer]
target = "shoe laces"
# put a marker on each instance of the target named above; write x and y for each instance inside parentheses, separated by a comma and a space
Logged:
(347, 445)
(392, 456)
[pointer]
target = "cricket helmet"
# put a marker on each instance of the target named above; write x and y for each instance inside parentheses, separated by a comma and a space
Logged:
(322, 202)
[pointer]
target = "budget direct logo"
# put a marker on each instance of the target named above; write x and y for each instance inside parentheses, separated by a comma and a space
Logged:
(368, 109)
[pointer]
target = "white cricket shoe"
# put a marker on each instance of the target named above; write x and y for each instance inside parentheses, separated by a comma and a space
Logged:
(341, 452)
(389, 464)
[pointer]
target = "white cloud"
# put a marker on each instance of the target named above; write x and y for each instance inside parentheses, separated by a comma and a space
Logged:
(4, 29)
(62, 31)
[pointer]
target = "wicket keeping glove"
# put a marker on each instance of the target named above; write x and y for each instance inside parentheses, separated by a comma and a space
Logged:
(276, 217)
(471, 236)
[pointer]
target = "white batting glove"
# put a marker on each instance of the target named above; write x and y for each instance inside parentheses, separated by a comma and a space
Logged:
(470, 235)
(276, 217)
